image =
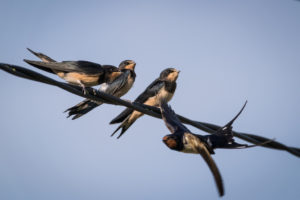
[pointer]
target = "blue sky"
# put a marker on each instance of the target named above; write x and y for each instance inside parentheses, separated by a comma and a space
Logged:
(227, 51)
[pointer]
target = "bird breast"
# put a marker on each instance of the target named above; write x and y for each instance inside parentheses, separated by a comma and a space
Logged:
(188, 148)
(164, 94)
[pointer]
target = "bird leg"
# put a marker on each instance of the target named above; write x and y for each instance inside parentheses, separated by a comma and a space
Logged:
(83, 87)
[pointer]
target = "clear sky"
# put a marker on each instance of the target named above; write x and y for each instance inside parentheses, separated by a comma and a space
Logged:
(228, 52)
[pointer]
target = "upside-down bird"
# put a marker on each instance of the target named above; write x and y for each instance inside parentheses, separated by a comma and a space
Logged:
(183, 140)
(161, 88)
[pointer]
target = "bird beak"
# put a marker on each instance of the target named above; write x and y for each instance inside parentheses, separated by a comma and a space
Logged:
(131, 65)
(165, 139)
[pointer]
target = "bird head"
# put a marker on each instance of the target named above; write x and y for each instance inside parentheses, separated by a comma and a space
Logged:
(172, 141)
(127, 64)
(169, 74)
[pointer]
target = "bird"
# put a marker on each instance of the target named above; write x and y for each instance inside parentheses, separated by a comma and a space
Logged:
(81, 73)
(117, 87)
(161, 88)
(183, 140)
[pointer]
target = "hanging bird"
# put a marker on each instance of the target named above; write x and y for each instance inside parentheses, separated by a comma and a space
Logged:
(183, 140)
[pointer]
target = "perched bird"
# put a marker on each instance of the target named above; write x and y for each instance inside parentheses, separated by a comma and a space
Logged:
(117, 87)
(82, 73)
(161, 88)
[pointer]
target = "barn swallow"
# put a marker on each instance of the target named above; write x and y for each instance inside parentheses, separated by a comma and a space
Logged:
(82, 73)
(117, 87)
(161, 88)
(183, 140)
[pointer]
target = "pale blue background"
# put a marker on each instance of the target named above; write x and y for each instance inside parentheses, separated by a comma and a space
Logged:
(228, 51)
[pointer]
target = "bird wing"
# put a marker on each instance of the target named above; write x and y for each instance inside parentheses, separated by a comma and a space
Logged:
(171, 120)
(150, 91)
(235, 145)
(110, 68)
(227, 129)
(41, 56)
(200, 147)
(70, 66)
(122, 116)
(118, 83)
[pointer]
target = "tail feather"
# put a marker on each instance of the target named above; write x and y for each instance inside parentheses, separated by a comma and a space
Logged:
(235, 145)
(35, 64)
(125, 125)
(229, 124)
(41, 56)
(122, 116)
(82, 108)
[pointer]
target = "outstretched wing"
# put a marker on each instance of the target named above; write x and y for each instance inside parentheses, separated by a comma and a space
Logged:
(171, 120)
(235, 145)
(200, 147)
(227, 129)
(70, 66)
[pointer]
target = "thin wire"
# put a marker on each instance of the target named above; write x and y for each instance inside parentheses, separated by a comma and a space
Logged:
(149, 110)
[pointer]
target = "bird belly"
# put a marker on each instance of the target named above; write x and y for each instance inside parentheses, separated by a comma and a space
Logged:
(86, 80)
(187, 148)
(163, 94)
(60, 74)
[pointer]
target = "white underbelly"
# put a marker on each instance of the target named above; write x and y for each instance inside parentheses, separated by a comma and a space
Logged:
(163, 94)
(189, 149)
